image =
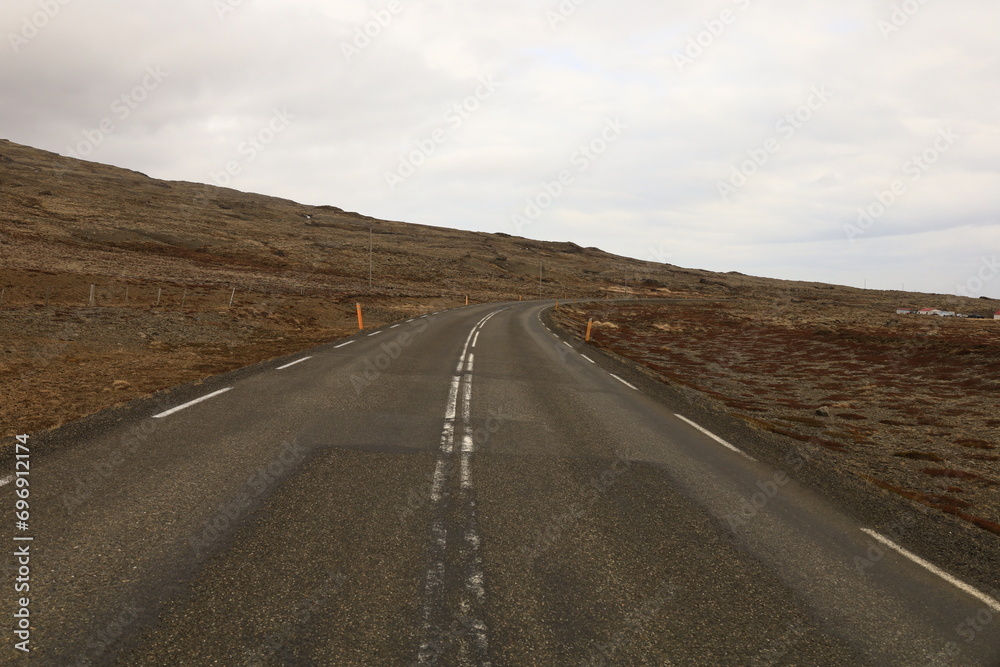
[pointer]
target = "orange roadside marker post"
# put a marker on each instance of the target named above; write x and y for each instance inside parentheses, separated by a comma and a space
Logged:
(361, 321)
(590, 324)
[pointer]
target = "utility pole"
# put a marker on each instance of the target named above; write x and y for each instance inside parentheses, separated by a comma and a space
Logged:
(371, 250)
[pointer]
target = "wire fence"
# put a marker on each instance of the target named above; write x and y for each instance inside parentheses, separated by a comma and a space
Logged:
(144, 296)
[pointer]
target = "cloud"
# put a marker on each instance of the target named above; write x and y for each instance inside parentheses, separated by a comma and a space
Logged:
(369, 82)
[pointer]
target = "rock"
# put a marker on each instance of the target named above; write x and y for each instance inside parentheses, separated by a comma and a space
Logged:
(823, 411)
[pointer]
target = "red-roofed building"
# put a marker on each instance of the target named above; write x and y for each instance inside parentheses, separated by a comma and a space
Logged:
(996, 315)
(927, 311)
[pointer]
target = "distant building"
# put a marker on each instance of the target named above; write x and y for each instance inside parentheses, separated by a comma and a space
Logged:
(927, 311)
(945, 313)
(904, 311)
(996, 315)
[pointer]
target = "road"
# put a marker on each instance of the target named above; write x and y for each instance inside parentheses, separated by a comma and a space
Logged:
(466, 488)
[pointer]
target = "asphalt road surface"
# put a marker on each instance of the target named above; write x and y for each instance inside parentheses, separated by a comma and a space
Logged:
(465, 488)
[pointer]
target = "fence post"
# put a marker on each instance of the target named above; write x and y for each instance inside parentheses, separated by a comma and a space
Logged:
(231, 297)
(184, 297)
(159, 291)
(1, 295)
(92, 302)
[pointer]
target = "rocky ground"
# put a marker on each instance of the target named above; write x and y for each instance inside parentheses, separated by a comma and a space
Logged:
(907, 402)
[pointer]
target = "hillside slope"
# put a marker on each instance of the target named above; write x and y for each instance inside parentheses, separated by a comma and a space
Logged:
(114, 284)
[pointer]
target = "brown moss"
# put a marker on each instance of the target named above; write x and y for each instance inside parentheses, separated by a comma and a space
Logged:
(920, 456)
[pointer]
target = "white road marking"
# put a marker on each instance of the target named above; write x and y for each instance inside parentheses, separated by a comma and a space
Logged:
(979, 595)
(337, 347)
(449, 412)
(281, 368)
(394, 326)
(588, 358)
(459, 401)
(190, 403)
(6, 480)
(715, 437)
(467, 401)
(571, 347)
(409, 320)
(438, 484)
(374, 333)
(627, 384)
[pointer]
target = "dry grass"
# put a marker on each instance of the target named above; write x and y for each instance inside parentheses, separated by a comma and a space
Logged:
(884, 392)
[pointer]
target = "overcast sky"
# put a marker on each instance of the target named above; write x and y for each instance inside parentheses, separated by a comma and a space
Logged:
(742, 135)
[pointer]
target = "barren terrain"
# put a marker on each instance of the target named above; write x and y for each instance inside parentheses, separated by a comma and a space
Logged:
(909, 403)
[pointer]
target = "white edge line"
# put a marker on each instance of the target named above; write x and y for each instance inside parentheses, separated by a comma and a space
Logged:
(715, 437)
(374, 333)
(982, 597)
(337, 347)
(627, 384)
(588, 358)
(190, 403)
(298, 361)
(571, 347)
